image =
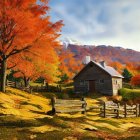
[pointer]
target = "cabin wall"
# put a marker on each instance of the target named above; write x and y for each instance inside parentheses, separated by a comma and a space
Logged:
(103, 81)
(116, 84)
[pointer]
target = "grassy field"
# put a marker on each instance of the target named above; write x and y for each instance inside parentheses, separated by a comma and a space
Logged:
(23, 116)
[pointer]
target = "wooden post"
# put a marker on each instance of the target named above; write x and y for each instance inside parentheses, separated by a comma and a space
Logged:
(53, 100)
(118, 110)
(125, 110)
(15, 84)
(21, 84)
(104, 110)
(30, 88)
(137, 110)
(47, 86)
(83, 106)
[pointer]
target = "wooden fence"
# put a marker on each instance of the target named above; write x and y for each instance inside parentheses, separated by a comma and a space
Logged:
(46, 88)
(116, 110)
(18, 86)
(11, 83)
(68, 106)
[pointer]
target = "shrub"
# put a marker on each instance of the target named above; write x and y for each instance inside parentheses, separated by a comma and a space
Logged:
(129, 94)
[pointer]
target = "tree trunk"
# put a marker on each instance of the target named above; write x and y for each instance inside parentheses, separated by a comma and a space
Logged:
(3, 75)
(26, 81)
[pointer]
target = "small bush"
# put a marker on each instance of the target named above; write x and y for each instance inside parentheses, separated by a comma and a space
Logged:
(129, 94)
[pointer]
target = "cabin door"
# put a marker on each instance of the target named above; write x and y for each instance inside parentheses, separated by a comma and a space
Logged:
(92, 86)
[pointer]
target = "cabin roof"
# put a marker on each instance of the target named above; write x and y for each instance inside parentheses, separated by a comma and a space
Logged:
(110, 70)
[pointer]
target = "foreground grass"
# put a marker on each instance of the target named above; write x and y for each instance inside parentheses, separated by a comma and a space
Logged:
(24, 116)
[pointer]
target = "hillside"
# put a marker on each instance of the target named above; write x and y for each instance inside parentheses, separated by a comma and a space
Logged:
(23, 116)
(107, 53)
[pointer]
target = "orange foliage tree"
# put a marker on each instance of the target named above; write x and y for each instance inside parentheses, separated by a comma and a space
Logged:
(32, 67)
(117, 65)
(136, 80)
(22, 24)
(133, 68)
(69, 65)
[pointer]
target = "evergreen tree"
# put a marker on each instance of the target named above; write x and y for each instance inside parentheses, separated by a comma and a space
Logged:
(127, 75)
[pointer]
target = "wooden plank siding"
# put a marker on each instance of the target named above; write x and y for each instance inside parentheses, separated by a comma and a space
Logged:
(92, 72)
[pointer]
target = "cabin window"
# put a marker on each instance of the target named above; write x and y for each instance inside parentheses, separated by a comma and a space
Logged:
(101, 81)
(82, 83)
(115, 82)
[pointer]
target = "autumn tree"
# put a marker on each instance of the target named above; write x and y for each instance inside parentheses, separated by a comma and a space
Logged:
(22, 25)
(117, 65)
(38, 66)
(132, 67)
(69, 65)
(136, 80)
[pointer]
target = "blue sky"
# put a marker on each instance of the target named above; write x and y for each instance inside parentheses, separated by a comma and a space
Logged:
(98, 22)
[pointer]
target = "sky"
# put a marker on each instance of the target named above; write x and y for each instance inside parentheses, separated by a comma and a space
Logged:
(99, 22)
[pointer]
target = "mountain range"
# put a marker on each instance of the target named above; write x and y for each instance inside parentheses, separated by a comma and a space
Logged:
(103, 52)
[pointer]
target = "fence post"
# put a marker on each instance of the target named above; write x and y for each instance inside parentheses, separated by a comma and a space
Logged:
(47, 86)
(104, 110)
(137, 110)
(53, 100)
(118, 110)
(15, 84)
(125, 110)
(30, 88)
(83, 106)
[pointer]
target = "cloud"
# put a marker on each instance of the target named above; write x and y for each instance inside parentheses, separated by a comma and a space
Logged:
(106, 22)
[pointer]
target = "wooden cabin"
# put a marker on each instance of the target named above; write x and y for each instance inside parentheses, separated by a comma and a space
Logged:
(98, 78)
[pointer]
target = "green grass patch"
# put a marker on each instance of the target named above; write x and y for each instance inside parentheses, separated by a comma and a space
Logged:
(129, 94)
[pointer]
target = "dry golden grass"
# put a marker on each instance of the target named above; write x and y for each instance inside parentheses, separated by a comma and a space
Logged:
(27, 113)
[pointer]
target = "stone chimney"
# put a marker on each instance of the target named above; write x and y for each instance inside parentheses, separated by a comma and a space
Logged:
(87, 59)
(102, 63)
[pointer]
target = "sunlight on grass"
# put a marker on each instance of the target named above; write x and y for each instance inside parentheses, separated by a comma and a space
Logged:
(27, 114)
(23, 104)
(43, 129)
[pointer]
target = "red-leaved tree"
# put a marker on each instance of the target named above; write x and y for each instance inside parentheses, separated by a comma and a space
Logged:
(22, 24)
(136, 80)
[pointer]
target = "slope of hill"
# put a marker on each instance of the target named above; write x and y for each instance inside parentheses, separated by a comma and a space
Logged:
(107, 53)
(23, 117)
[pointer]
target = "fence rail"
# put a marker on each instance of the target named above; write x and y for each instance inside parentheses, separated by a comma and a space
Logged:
(16, 85)
(111, 109)
(10, 83)
(68, 106)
